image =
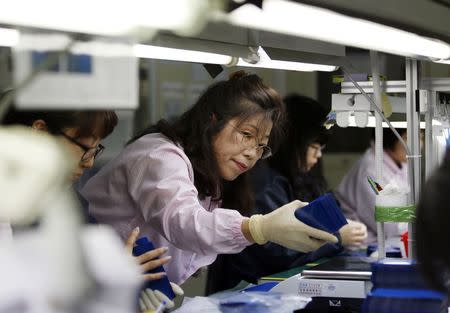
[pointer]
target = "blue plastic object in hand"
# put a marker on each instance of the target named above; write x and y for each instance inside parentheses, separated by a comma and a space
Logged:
(144, 245)
(323, 213)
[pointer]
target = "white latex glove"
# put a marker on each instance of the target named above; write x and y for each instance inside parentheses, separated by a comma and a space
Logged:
(150, 300)
(282, 227)
(353, 234)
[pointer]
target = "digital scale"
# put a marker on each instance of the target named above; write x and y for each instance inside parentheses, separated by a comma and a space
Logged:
(339, 285)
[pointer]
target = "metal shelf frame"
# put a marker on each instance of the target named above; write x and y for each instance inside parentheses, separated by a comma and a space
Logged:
(398, 86)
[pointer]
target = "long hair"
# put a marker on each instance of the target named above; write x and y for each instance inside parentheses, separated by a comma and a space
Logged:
(242, 96)
(304, 126)
(433, 227)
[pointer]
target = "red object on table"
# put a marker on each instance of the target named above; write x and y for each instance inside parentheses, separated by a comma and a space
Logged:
(404, 238)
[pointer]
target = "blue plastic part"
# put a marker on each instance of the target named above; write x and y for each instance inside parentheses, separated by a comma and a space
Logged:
(323, 213)
(144, 245)
(399, 287)
(401, 276)
(405, 301)
(409, 293)
(262, 287)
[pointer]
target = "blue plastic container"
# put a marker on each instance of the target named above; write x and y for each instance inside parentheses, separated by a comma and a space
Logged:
(144, 245)
(323, 213)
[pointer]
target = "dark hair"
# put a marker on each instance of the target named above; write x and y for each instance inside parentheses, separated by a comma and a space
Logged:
(241, 96)
(86, 123)
(433, 227)
(304, 126)
(389, 138)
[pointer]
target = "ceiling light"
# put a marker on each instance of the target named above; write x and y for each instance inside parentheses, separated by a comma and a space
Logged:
(9, 37)
(296, 19)
(443, 61)
(163, 53)
(266, 62)
(110, 18)
(372, 122)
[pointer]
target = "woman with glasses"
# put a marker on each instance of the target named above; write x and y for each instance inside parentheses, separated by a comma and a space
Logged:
(286, 176)
(81, 132)
(172, 179)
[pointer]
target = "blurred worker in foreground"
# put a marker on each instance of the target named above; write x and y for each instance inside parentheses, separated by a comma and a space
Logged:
(433, 227)
(81, 132)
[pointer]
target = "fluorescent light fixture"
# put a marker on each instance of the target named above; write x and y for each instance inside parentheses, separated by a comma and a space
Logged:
(57, 42)
(443, 61)
(105, 17)
(163, 53)
(399, 124)
(296, 19)
(266, 62)
(9, 37)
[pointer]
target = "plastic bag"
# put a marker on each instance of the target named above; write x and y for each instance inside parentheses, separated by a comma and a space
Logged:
(263, 302)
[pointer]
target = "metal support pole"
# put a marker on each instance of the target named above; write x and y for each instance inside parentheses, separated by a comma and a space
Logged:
(414, 165)
(429, 153)
(374, 61)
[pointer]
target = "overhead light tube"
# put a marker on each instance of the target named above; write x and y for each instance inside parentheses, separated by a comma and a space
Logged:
(443, 61)
(296, 19)
(396, 124)
(9, 37)
(163, 53)
(108, 18)
(266, 62)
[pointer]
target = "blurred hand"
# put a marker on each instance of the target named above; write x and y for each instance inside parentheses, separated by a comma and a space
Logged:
(353, 234)
(149, 260)
(150, 300)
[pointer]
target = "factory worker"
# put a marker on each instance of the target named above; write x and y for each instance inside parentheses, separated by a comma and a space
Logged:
(81, 132)
(170, 180)
(354, 192)
(290, 174)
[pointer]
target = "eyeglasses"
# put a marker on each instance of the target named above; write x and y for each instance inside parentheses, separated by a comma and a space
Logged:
(89, 152)
(249, 140)
(317, 148)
